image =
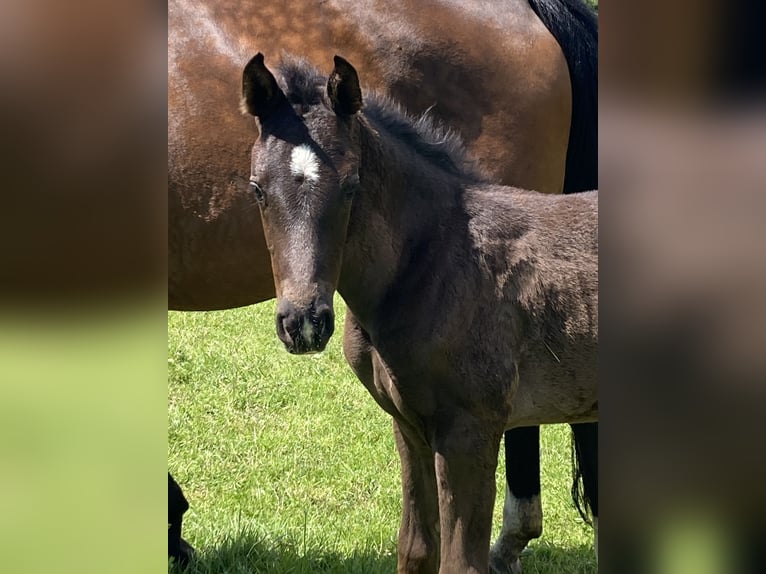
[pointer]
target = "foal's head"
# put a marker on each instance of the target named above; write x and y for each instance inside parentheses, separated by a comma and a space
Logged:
(304, 175)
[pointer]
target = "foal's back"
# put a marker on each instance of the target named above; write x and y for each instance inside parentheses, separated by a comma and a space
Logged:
(538, 255)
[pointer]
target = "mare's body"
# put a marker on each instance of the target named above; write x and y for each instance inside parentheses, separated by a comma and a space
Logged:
(517, 124)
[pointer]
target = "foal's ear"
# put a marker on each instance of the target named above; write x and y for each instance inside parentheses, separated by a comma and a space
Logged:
(261, 94)
(343, 88)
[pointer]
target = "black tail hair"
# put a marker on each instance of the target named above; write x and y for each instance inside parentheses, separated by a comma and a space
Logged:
(574, 24)
(585, 469)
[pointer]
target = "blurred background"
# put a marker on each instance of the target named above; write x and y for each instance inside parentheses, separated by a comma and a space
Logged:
(683, 273)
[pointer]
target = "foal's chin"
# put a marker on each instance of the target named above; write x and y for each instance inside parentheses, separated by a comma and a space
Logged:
(301, 347)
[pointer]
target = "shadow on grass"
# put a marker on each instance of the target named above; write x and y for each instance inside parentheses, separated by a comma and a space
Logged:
(549, 559)
(251, 554)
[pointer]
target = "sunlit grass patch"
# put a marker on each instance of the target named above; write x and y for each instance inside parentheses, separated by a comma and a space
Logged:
(290, 466)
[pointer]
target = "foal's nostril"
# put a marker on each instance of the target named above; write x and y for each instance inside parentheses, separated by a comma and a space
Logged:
(324, 322)
(287, 322)
(285, 325)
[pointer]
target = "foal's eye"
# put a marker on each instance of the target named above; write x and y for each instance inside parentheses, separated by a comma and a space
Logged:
(257, 191)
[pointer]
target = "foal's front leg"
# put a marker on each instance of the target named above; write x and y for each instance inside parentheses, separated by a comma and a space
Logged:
(418, 548)
(466, 459)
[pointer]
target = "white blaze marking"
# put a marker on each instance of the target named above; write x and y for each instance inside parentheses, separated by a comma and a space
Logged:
(304, 163)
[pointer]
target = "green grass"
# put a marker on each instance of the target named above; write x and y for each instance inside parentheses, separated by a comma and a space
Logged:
(290, 466)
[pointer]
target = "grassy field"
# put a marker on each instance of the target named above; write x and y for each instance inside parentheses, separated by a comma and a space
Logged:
(290, 466)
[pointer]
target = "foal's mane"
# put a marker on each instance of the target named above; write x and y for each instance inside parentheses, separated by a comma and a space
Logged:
(305, 86)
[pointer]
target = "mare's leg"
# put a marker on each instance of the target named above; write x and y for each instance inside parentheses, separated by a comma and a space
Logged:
(586, 450)
(466, 460)
(522, 511)
(178, 548)
(418, 547)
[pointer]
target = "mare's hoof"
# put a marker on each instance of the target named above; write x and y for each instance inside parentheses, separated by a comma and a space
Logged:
(184, 553)
(498, 567)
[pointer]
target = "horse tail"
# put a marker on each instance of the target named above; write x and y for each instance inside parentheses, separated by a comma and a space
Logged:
(578, 488)
(574, 24)
(585, 469)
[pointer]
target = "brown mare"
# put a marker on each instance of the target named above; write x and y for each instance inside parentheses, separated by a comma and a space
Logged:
(472, 308)
(538, 59)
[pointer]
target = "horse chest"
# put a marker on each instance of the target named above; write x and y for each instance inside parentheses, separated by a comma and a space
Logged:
(417, 386)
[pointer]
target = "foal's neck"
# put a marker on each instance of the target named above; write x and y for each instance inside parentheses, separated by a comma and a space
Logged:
(402, 222)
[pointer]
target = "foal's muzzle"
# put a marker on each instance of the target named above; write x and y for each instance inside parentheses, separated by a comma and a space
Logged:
(305, 330)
